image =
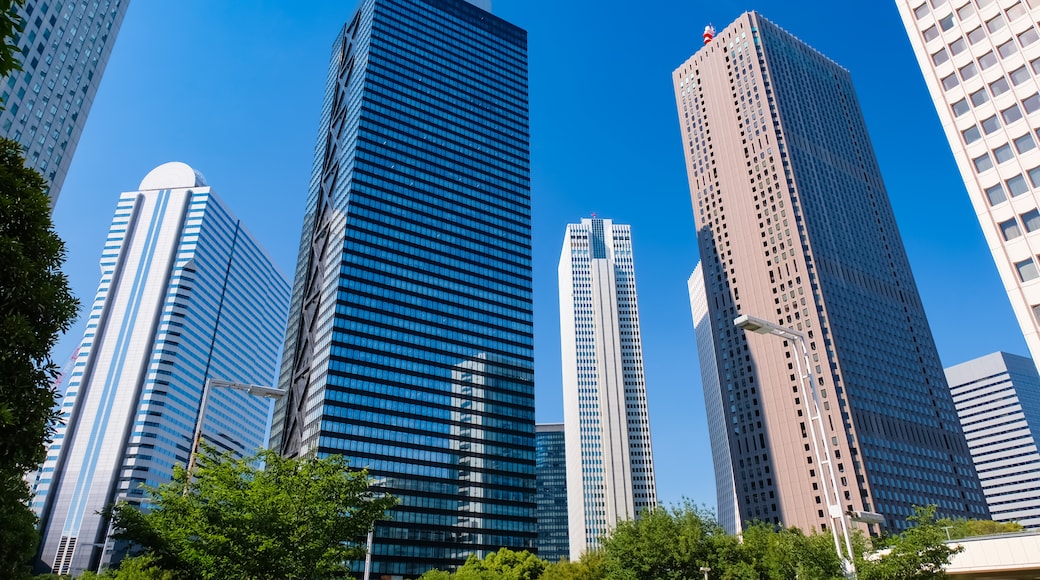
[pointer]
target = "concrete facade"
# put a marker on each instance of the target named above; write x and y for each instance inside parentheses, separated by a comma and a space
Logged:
(981, 63)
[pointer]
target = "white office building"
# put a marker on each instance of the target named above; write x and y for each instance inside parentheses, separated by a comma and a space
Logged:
(981, 62)
(186, 295)
(998, 402)
(610, 469)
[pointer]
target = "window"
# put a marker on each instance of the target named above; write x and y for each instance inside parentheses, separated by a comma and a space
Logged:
(990, 125)
(931, 33)
(969, 71)
(950, 82)
(1028, 37)
(1025, 143)
(1031, 104)
(1003, 153)
(983, 162)
(971, 135)
(994, 24)
(946, 22)
(1031, 220)
(1027, 270)
(1016, 12)
(960, 107)
(1017, 185)
(964, 12)
(975, 35)
(958, 46)
(987, 60)
(921, 11)
(1011, 114)
(1036, 312)
(1007, 49)
(999, 86)
(1009, 229)
(942, 56)
(1035, 65)
(1019, 75)
(1034, 176)
(983, 3)
(979, 97)
(995, 194)
(938, 3)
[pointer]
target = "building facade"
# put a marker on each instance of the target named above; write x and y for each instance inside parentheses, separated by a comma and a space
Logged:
(610, 468)
(981, 63)
(64, 48)
(727, 508)
(998, 402)
(795, 227)
(409, 348)
(551, 495)
(186, 295)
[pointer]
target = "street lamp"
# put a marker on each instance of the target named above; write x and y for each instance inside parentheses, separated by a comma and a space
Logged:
(705, 569)
(268, 392)
(817, 433)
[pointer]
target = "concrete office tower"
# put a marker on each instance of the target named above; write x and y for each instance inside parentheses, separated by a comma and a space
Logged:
(186, 295)
(64, 48)
(794, 226)
(610, 468)
(998, 401)
(727, 507)
(981, 61)
(409, 348)
(551, 494)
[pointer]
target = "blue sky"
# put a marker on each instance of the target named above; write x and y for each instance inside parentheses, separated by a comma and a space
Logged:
(234, 89)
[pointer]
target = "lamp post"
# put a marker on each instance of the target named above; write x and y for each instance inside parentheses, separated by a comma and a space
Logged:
(817, 434)
(705, 569)
(268, 392)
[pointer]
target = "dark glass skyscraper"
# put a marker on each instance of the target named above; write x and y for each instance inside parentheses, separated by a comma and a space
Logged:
(551, 497)
(409, 347)
(795, 226)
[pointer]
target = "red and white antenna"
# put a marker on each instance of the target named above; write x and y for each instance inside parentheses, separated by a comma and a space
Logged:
(709, 33)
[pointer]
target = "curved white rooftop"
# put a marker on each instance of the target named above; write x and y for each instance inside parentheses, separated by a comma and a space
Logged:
(173, 175)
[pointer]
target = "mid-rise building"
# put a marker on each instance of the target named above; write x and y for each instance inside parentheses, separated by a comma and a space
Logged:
(795, 227)
(981, 63)
(998, 401)
(64, 47)
(610, 467)
(409, 349)
(551, 495)
(186, 295)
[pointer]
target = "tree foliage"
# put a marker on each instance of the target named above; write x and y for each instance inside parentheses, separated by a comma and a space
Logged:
(920, 552)
(589, 567)
(35, 307)
(259, 517)
(10, 24)
(505, 564)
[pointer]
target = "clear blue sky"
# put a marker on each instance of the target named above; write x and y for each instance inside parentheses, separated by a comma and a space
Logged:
(235, 89)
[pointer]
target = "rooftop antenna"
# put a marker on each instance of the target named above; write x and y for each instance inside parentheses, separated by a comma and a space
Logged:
(709, 33)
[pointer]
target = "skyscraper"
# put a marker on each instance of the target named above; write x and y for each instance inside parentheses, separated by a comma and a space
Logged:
(727, 508)
(981, 61)
(998, 401)
(409, 348)
(186, 295)
(794, 226)
(610, 467)
(64, 48)
(551, 494)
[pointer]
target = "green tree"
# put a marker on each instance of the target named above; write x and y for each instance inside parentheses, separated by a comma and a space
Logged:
(920, 552)
(264, 516)
(667, 544)
(967, 528)
(35, 307)
(589, 567)
(10, 25)
(505, 564)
